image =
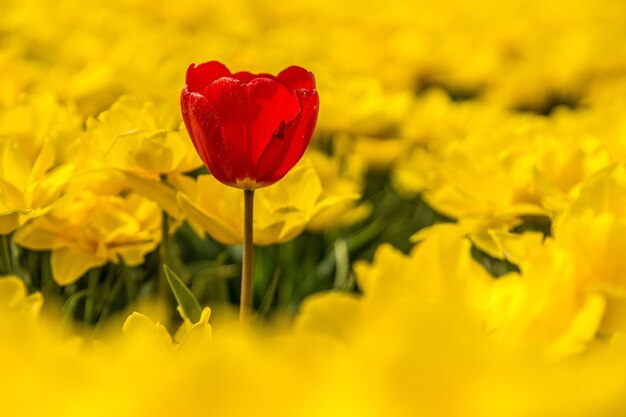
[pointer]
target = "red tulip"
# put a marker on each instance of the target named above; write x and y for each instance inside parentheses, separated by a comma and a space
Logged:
(249, 130)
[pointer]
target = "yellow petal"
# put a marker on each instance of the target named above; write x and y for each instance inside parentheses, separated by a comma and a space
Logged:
(37, 238)
(330, 314)
(8, 222)
(69, 264)
(15, 168)
(160, 193)
(212, 225)
(141, 328)
(197, 335)
(14, 297)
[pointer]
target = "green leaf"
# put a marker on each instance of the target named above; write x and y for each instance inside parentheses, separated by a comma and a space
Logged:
(342, 264)
(184, 296)
(71, 304)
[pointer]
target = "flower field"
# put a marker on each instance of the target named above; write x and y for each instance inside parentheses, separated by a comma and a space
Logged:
(452, 242)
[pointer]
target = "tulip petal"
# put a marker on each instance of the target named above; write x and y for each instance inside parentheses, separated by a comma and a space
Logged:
(281, 155)
(198, 78)
(207, 138)
(246, 77)
(227, 96)
(184, 107)
(271, 107)
(295, 78)
(249, 115)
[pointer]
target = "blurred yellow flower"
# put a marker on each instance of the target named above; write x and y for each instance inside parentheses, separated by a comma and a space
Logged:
(37, 119)
(32, 175)
(188, 336)
(495, 169)
(144, 330)
(15, 302)
(593, 231)
(376, 154)
(361, 106)
(439, 269)
(342, 189)
(547, 306)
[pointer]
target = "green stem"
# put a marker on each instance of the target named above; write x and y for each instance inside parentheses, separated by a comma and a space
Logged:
(286, 256)
(5, 252)
(245, 306)
(92, 282)
(270, 293)
(71, 304)
(164, 250)
(47, 284)
(110, 297)
(342, 265)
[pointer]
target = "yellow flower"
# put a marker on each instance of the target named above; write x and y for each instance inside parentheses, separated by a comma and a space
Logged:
(140, 139)
(36, 119)
(341, 189)
(32, 175)
(143, 139)
(547, 306)
(18, 75)
(281, 211)
(189, 335)
(28, 191)
(15, 302)
(439, 269)
(362, 106)
(490, 178)
(593, 231)
(436, 122)
(194, 335)
(438, 274)
(94, 229)
(481, 176)
(142, 142)
(144, 330)
(376, 154)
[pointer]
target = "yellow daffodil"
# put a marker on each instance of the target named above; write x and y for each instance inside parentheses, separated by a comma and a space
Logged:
(92, 230)
(592, 230)
(547, 306)
(281, 211)
(143, 139)
(145, 143)
(189, 335)
(365, 108)
(32, 173)
(15, 301)
(346, 188)
(37, 119)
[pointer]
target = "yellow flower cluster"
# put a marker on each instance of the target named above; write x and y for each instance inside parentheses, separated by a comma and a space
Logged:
(413, 341)
(94, 194)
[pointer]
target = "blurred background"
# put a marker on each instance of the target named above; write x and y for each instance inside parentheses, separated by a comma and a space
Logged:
(487, 113)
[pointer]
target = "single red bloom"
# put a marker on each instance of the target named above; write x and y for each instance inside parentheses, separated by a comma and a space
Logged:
(249, 130)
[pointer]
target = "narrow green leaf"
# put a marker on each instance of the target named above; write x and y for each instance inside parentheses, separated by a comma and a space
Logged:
(184, 296)
(71, 304)
(270, 293)
(342, 262)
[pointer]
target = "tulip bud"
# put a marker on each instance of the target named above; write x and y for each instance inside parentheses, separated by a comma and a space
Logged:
(249, 130)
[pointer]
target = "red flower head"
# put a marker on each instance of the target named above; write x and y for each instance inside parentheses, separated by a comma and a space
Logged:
(249, 130)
